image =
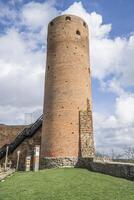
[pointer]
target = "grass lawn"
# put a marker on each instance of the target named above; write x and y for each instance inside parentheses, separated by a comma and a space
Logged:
(65, 184)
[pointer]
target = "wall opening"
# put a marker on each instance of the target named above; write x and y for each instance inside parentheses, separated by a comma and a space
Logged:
(78, 32)
(84, 24)
(68, 18)
(51, 23)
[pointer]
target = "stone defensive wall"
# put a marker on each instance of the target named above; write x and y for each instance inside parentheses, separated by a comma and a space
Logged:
(8, 134)
(117, 169)
(26, 148)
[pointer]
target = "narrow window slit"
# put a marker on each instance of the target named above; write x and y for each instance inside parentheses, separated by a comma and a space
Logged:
(84, 24)
(78, 32)
(51, 23)
(68, 18)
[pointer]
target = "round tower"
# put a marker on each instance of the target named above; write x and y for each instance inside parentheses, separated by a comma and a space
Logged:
(67, 91)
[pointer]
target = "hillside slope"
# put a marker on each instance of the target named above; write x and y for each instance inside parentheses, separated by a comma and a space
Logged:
(65, 184)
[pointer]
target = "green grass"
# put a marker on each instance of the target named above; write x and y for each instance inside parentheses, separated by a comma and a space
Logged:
(65, 184)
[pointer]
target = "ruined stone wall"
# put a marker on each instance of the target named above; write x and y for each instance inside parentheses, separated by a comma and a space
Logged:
(117, 169)
(86, 133)
(26, 148)
(9, 132)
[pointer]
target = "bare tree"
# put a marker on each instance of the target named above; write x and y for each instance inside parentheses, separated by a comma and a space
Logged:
(115, 155)
(129, 153)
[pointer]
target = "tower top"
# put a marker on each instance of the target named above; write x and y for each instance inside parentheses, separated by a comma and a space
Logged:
(68, 18)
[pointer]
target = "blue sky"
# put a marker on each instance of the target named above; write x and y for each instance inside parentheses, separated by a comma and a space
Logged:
(23, 31)
(118, 12)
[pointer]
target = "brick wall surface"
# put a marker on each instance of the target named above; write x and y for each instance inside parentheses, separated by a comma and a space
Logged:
(67, 86)
(26, 147)
(9, 132)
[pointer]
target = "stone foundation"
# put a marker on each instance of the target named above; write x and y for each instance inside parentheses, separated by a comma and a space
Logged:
(52, 162)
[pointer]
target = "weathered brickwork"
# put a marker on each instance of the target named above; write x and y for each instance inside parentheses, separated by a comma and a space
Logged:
(86, 133)
(67, 86)
(9, 132)
(26, 148)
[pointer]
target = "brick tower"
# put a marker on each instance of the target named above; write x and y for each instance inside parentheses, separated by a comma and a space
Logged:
(67, 133)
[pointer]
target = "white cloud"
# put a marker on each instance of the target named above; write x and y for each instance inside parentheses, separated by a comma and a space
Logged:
(125, 109)
(116, 131)
(36, 15)
(6, 14)
(122, 116)
(105, 56)
(94, 20)
(22, 73)
(108, 56)
(18, 116)
(114, 85)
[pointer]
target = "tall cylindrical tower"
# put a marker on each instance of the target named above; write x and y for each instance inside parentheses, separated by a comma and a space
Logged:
(67, 92)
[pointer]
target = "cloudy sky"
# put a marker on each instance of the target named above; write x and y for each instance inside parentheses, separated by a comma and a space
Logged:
(23, 30)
